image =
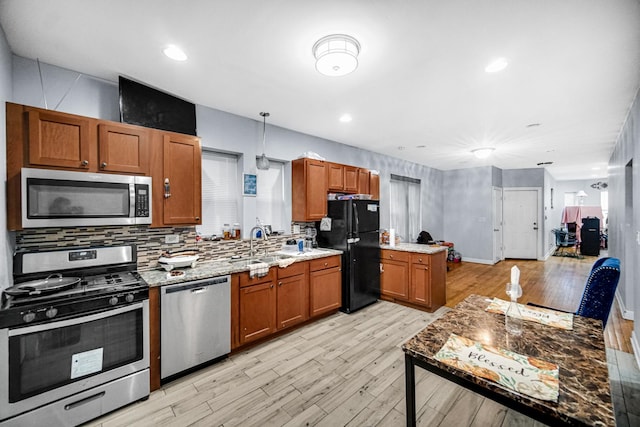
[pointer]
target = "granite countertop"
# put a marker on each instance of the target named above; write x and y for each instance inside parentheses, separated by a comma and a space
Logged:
(584, 397)
(416, 247)
(221, 267)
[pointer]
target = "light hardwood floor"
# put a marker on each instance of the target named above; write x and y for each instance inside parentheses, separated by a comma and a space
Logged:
(348, 370)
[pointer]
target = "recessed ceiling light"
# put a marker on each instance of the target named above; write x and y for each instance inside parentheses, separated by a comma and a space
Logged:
(421, 146)
(496, 65)
(596, 168)
(346, 118)
(532, 125)
(483, 153)
(175, 53)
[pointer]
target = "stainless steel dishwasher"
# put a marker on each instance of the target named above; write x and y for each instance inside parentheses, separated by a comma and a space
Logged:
(195, 323)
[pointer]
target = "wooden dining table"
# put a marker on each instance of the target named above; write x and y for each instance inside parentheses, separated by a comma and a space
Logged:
(584, 397)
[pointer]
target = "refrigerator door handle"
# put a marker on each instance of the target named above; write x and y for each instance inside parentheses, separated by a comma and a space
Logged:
(356, 222)
(353, 240)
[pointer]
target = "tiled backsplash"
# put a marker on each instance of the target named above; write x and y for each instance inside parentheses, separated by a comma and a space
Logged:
(149, 241)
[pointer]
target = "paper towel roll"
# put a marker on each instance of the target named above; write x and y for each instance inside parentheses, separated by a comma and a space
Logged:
(392, 237)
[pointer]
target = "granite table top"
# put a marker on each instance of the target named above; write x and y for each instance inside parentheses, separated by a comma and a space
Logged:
(584, 396)
(416, 248)
(220, 267)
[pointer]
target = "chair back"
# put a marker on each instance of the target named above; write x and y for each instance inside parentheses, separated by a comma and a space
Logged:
(600, 289)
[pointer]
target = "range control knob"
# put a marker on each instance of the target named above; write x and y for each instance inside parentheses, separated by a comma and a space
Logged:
(129, 298)
(29, 316)
(113, 300)
(51, 312)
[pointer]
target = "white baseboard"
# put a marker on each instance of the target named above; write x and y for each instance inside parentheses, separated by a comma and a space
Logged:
(626, 314)
(636, 348)
(551, 251)
(478, 261)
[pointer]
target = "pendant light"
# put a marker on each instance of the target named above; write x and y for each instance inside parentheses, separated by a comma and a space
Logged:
(263, 163)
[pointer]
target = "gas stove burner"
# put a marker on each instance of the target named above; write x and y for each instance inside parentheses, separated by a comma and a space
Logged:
(82, 280)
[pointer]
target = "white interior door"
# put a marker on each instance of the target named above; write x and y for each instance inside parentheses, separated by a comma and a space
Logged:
(520, 223)
(498, 254)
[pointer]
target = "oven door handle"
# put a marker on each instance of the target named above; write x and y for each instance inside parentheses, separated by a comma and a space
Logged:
(75, 321)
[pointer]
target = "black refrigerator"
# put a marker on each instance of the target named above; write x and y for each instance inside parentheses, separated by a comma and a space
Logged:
(352, 226)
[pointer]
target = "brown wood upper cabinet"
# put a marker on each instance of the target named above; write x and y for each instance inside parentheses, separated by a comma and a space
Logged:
(350, 179)
(363, 181)
(70, 142)
(335, 177)
(123, 148)
(177, 185)
(308, 189)
(59, 140)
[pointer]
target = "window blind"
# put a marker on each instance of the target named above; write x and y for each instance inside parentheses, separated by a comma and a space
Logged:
(220, 192)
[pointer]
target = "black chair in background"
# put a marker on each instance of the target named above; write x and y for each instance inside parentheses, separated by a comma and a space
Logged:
(599, 291)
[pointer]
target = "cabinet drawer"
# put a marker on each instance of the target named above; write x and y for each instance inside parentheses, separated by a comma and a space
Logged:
(395, 255)
(322, 263)
(292, 270)
(245, 280)
(424, 259)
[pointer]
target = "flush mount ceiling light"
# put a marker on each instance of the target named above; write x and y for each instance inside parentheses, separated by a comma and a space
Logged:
(263, 163)
(496, 65)
(175, 53)
(483, 153)
(336, 55)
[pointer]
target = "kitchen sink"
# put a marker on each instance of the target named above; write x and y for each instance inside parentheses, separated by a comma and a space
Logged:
(244, 262)
(274, 258)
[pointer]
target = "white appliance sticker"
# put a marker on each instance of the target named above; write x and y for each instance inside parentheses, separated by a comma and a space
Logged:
(325, 224)
(86, 363)
(372, 208)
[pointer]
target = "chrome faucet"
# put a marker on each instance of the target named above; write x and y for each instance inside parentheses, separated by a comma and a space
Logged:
(251, 238)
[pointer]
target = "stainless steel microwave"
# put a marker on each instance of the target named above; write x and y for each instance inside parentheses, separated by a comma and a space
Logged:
(53, 198)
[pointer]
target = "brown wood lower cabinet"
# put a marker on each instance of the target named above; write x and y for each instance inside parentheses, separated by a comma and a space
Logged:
(257, 311)
(292, 295)
(394, 274)
(416, 279)
(325, 285)
(286, 297)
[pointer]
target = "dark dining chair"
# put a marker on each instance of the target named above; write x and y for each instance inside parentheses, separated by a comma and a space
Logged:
(600, 290)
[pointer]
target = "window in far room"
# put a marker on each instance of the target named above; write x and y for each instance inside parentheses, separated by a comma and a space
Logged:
(270, 206)
(220, 192)
(405, 207)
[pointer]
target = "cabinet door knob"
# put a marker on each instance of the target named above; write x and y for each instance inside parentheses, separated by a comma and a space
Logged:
(279, 283)
(419, 259)
(103, 165)
(84, 162)
(325, 264)
(271, 286)
(390, 256)
(197, 218)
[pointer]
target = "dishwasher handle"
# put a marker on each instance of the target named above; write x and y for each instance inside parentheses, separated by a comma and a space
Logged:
(196, 286)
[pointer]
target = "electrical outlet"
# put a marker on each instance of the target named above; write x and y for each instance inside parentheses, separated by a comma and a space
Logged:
(638, 237)
(296, 229)
(172, 238)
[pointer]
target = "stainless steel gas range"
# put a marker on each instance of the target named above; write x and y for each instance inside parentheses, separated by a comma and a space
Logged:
(74, 336)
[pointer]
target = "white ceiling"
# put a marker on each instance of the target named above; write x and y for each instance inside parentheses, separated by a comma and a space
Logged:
(574, 68)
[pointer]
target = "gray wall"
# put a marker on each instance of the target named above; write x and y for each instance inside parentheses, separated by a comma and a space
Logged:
(468, 205)
(6, 238)
(624, 211)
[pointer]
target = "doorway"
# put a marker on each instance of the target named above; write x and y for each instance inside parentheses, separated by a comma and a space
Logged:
(521, 220)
